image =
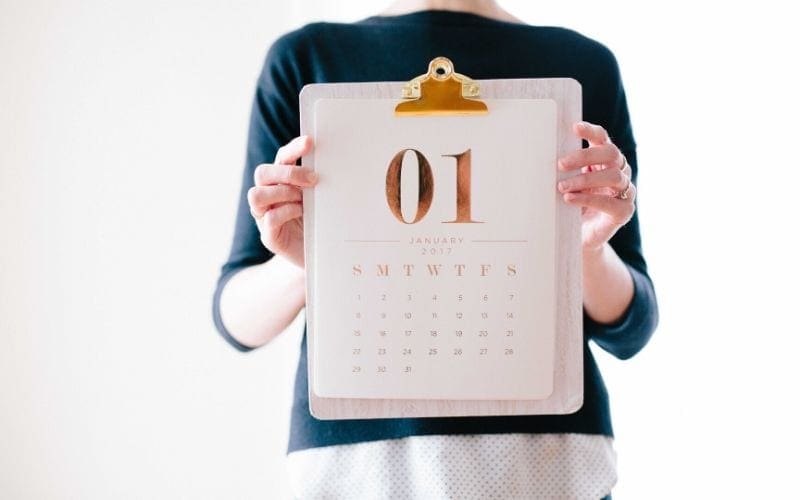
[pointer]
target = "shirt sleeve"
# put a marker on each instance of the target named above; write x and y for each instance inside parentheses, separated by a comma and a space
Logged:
(274, 121)
(633, 330)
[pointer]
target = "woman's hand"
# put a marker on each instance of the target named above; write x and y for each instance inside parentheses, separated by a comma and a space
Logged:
(603, 190)
(276, 200)
(605, 194)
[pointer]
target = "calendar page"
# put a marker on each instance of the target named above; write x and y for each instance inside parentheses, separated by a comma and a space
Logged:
(434, 251)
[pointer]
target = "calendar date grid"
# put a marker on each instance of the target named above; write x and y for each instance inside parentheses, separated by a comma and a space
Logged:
(386, 337)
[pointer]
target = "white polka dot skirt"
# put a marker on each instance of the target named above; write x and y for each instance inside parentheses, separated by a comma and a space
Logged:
(458, 466)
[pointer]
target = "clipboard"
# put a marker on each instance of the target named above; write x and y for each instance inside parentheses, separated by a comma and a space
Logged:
(440, 93)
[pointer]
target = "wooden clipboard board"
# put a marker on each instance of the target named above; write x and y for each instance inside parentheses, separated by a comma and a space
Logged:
(443, 92)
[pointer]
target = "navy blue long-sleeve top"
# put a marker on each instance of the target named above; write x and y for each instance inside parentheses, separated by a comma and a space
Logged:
(394, 48)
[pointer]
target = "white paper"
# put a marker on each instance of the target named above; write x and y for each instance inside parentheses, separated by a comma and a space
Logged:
(512, 190)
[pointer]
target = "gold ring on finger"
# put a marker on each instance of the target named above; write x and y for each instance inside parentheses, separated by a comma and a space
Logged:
(624, 162)
(623, 195)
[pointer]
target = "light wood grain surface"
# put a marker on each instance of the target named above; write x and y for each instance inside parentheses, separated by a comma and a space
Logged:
(567, 395)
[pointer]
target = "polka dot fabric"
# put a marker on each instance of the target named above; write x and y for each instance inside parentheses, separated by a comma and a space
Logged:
(464, 466)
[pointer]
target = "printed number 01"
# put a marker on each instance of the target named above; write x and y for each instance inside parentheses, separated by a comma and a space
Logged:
(425, 196)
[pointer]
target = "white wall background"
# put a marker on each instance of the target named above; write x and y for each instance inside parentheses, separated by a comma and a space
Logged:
(122, 134)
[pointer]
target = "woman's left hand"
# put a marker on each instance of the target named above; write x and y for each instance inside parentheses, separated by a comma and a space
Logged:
(603, 190)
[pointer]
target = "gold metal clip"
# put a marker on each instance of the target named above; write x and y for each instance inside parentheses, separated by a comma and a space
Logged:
(441, 91)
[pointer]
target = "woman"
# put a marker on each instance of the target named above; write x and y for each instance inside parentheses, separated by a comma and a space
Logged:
(261, 286)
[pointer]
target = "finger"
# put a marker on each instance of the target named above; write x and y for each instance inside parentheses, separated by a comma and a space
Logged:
(608, 177)
(261, 198)
(627, 170)
(274, 218)
(606, 154)
(269, 173)
(289, 153)
(631, 192)
(595, 134)
(620, 211)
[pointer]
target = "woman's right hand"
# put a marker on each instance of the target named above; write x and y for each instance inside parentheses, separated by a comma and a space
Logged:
(276, 200)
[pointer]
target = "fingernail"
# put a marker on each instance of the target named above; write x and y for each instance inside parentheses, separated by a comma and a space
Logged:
(311, 176)
(562, 186)
(560, 165)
